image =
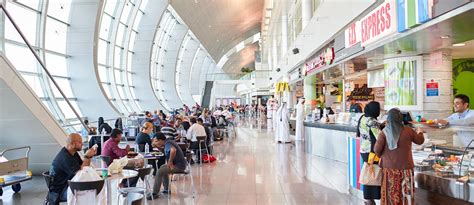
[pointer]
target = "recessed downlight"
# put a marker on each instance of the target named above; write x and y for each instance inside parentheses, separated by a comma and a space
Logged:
(459, 44)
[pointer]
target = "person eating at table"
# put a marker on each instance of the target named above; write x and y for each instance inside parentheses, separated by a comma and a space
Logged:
(65, 165)
(176, 162)
(111, 148)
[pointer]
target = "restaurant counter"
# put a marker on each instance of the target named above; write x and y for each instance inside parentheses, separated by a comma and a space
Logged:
(328, 140)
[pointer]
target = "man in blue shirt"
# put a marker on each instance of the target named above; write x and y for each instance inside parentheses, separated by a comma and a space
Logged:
(175, 163)
(463, 116)
(65, 165)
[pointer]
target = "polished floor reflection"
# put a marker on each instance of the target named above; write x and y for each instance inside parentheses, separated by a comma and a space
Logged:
(251, 169)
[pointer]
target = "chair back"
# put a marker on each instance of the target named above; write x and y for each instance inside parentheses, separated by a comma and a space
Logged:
(143, 172)
(47, 178)
(184, 146)
(88, 185)
(201, 138)
(134, 198)
(106, 159)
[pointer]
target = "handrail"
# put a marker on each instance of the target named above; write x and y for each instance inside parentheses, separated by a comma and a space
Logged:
(42, 64)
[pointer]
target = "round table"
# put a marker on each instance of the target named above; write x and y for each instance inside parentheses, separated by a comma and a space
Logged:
(124, 174)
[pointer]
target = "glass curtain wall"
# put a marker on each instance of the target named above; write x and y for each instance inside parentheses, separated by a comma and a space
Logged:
(118, 30)
(162, 37)
(45, 24)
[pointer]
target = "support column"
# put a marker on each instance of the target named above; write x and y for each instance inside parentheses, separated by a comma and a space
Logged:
(310, 92)
(306, 12)
(284, 29)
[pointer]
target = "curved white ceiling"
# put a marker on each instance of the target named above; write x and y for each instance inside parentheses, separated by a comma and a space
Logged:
(220, 25)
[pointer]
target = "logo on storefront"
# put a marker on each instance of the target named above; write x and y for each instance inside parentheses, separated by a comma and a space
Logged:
(324, 58)
(379, 23)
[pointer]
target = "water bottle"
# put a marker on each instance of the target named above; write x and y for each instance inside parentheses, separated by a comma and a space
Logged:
(147, 149)
(136, 148)
(103, 132)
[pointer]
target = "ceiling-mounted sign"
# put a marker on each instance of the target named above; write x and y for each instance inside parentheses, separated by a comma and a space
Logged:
(379, 23)
(352, 34)
(295, 75)
(411, 13)
(326, 57)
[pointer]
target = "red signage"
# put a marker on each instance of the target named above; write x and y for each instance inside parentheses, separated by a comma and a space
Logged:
(379, 23)
(352, 34)
(324, 58)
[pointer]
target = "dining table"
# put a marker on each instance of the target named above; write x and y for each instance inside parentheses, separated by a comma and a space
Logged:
(124, 174)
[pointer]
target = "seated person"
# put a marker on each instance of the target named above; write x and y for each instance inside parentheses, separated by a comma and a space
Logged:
(176, 163)
(196, 130)
(169, 130)
(103, 126)
(111, 148)
(144, 138)
(65, 165)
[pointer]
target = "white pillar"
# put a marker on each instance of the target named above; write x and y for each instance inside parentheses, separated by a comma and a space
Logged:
(306, 12)
(284, 30)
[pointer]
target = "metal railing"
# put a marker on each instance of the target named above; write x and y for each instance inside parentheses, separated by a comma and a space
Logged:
(7, 14)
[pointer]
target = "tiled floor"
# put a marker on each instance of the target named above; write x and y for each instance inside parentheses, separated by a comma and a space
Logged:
(251, 169)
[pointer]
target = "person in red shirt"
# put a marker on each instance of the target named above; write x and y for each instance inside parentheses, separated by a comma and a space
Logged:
(111, 148)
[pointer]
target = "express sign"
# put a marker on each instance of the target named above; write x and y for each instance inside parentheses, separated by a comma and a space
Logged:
(379, 23)
(324, 58)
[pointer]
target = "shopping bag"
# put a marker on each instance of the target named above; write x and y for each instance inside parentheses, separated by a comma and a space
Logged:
(208, 158)
(371, 174)
(86, 197)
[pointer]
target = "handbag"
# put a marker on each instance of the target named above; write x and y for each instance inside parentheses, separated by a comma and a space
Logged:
(208, 158)
(371, 174)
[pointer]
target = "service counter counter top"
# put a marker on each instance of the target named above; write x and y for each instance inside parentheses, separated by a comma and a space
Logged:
(329, 140)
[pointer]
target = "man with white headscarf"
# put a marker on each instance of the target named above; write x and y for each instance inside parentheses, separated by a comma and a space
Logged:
(299, 135)
(283, 124)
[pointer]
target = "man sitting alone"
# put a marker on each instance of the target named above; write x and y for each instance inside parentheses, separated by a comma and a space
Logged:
(175, 163)
(65, 165)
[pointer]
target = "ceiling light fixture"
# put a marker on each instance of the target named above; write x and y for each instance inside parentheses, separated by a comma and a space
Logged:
(444, 36)
(459, 44)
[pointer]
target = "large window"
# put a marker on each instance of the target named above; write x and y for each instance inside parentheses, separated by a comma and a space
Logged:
(50, 24)
(117, 34)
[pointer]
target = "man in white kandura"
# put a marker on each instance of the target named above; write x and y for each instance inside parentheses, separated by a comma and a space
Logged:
(299, 135)
(275, 109)
(283, 125)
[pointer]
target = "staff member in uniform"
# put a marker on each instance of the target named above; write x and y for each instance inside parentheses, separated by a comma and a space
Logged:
(463, 116)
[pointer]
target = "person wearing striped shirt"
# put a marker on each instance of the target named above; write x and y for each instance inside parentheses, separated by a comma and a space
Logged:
(169, 130)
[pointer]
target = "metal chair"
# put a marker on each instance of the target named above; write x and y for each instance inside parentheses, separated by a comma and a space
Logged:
(202, 139)
(186, 172)
(47, 179)
(84, 186)
(127, 192)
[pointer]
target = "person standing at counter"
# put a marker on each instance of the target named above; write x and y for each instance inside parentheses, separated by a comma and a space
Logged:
(355, 107)
(299, 135)
(394, 147)
(368, 130)
(463, 115)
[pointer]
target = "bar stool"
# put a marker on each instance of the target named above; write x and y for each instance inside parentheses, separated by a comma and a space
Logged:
(202, 139)
(129, 193)
(186, 172)
(84, 186)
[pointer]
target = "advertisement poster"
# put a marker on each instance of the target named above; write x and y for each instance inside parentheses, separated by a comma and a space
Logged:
(402, 79)
(463, 73)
